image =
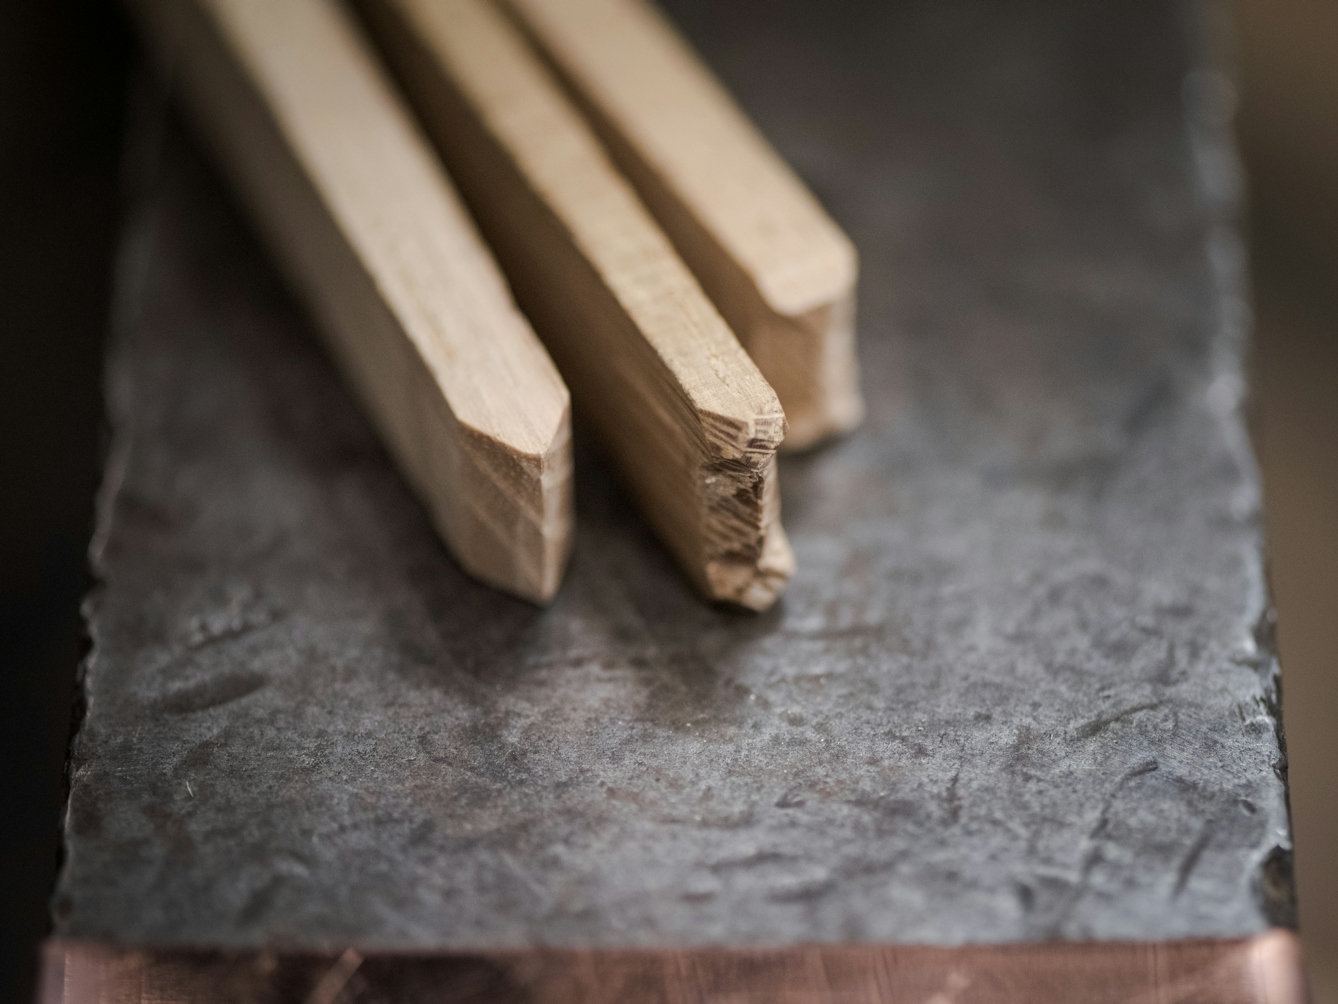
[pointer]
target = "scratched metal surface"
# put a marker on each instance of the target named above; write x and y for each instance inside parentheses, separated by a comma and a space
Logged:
(1022, 687)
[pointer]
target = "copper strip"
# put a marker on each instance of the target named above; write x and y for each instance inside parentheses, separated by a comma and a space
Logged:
(1260, 970)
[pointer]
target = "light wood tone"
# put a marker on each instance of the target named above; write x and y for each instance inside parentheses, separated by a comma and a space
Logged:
(780, 271)
(689, 420)
(358, 211)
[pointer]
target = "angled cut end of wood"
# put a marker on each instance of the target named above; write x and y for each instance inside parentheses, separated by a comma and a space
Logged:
(779, 269)
(373, 237)
(688, 419)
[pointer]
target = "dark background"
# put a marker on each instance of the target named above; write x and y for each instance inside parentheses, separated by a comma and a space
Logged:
(1287, 53)
(64, 66)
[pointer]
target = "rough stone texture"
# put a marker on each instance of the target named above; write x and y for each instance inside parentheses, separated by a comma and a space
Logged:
(1022, 686)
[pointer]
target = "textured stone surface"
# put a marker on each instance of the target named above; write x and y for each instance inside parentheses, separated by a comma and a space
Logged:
(1022, 686)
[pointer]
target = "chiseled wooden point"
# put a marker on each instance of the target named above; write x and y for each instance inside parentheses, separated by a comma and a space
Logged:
(689, 420)
(359, 213)
(779, 269)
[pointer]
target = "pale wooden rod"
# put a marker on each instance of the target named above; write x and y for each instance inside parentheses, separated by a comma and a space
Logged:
(780, 270)
(689, 421)
(359, 213)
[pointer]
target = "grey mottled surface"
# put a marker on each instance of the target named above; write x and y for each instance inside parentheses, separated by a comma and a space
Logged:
(1022, 687)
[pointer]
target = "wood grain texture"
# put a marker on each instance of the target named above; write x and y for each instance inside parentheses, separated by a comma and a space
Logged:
(782, 273)
(690, 422)
(1262, 970)
(371, 234)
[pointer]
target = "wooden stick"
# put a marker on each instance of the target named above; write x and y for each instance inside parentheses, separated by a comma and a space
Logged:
(360, 214)
(689, 420)
(781, 272)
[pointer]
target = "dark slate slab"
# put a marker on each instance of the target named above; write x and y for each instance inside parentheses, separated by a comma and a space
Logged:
(1023, 686)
